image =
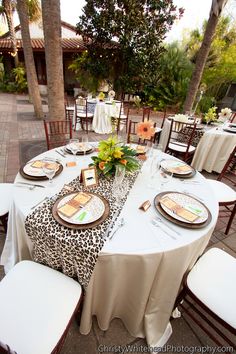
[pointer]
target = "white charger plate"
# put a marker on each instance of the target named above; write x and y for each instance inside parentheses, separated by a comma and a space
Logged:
(94, 210)
(168, 164)
(35, 172)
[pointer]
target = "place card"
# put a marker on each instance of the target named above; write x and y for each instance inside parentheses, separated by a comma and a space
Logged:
(89, 177)
(145, 206)
(71, 164)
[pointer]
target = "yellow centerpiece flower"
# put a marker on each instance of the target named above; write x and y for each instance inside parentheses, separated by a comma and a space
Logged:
(111, 154)
(101, 96)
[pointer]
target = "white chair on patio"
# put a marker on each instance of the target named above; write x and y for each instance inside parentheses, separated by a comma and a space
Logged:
(37, 305)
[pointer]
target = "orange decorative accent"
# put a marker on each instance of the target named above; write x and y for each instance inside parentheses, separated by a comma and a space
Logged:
(124, 162)
(71, 164)
(101, 165)
(145, 130)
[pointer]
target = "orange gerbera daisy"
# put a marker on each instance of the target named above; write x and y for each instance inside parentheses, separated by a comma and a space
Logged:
(146, 130)
(102, 165)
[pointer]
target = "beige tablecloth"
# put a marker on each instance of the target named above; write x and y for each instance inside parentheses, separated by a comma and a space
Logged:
(213, 150)
(138, 273)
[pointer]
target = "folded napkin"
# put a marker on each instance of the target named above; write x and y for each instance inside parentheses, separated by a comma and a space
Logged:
(41, 164)
(70, 208)
(140, 149)
(178, 168)
(178, 209)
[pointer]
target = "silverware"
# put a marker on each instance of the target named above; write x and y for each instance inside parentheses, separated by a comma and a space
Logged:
(25, 186)
(60, 153)
(31, 184)
(189, 182)
(34, 206)
(193, 195)
(167, 225)
(120, 223)
(157, 224)
(111, 224)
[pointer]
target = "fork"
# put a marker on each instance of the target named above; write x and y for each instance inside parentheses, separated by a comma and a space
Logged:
(167, 225)
(156, 223)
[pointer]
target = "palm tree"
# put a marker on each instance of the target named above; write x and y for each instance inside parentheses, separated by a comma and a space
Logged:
(7, 9)
(216, 8)
(53, 53)
(24, 15)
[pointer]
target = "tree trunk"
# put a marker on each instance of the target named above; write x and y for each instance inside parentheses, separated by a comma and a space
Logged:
(29, 59)
(9, 17)
(54, 61)
(203, 52)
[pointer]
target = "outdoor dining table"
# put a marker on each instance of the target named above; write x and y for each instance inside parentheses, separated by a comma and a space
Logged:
(139, 271)
(213, 150)
(102, 116)
(102, 112)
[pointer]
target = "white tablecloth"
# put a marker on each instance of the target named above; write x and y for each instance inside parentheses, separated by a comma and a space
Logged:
(102, 116)
(138, 274)
(213, 150)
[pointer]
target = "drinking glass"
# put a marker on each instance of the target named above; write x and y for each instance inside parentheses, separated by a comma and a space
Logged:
(119, 174)
(119, 191)
(74, 147)
(149, 149)
(49, 170)
(164, 177)
(84, 144)
(157, 150)
(153, 172)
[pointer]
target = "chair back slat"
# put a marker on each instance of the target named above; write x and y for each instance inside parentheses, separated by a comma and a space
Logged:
(58, 132)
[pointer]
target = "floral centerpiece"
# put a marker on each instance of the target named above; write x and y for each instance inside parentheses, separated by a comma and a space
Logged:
(111, 154)
(111, 94)
(225, 114)
(101, 96)
(211, 115)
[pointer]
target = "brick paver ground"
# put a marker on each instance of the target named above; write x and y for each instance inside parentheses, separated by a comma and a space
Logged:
(21, 138)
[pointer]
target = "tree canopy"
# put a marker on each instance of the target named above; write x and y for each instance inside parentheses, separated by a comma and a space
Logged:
(124, 39)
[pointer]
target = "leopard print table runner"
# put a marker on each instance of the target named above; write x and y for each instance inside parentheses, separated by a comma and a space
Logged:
(73, 251)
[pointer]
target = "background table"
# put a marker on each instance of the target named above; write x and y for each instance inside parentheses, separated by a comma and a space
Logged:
(102, 116)
(214, 150)
(138, 274)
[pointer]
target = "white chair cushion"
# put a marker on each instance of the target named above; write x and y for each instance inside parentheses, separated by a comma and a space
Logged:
(213, 281)
(181, 147)
(6, 193)
(223, 193)
(36, 304)
(69, 108)
(83, 115)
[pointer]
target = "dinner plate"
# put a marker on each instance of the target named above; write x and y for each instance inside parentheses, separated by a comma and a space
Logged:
(87, 214)
(89, 149)
(176, 167)
(202, 221)
(68, 222)
(34, 173)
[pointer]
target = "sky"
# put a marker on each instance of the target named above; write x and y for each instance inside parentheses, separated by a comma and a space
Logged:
(195, 13)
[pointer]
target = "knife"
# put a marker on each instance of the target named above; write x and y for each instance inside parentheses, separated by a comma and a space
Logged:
(31, 184)
(111, 224)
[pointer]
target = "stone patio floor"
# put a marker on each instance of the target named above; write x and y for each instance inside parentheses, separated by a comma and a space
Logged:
(21, 138)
